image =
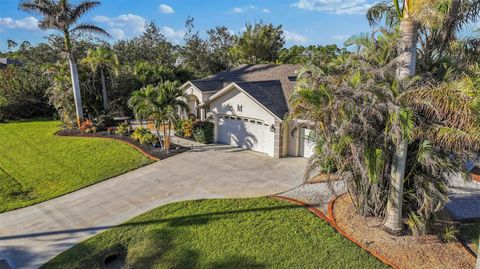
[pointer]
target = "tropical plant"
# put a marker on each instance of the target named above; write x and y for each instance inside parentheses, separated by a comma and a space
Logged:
(259, 43)
(187, 127)
(203, 131)
(103, 59)
(63, 16)
(59, 93)
(364, 117)
(160, 104)
(122, 129)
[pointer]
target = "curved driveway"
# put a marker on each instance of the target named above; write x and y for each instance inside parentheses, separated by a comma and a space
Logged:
(31, 236)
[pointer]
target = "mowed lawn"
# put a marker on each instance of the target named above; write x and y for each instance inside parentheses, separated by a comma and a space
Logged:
(223, 233)
(36, 165)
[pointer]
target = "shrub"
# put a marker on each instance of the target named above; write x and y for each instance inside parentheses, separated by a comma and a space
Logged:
(187, 127)
(203, 131)
(178, 128)
(87, 127)
(122, 129)
(104, 121)
(449, 234)
(143, 136)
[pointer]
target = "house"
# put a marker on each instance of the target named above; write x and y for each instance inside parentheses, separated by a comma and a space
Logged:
(248, 105)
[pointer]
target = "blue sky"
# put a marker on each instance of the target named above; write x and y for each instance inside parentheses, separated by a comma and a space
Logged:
(304, 21)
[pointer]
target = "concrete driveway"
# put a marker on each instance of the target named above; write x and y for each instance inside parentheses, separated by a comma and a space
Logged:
(31, 236)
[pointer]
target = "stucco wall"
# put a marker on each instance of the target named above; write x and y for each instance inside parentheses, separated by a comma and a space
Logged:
(228, 104)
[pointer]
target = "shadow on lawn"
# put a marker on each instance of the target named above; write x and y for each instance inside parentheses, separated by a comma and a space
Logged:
(197, 219)
(153, 248)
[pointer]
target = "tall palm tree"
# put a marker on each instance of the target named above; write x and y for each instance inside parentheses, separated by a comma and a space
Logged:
(102, 58)
(64, 16)
(160, 104)
(406, 64)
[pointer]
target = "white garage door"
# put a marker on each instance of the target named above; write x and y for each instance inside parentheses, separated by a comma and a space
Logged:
(245, 133)
(306, 143)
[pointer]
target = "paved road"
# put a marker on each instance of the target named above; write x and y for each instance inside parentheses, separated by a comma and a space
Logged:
(31, 236)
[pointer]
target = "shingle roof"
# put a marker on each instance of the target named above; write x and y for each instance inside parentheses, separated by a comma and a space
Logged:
(279, 79)
(269, 94)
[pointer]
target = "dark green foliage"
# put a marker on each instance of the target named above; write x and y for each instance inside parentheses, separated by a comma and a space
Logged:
(309, 55)
(104, 121)
(203, 131)
(221, 233)
(259, 43)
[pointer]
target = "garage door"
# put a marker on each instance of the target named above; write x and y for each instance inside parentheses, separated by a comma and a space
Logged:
(245, 133)
(306, 143)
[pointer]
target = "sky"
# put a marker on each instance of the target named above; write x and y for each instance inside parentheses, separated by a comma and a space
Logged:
(304, 22)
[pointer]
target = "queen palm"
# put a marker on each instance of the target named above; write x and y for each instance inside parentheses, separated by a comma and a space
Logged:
(361, 113)
(102, 58)
(160, 104)
(63, 16)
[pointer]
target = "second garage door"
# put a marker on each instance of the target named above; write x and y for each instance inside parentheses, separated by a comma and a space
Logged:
(245, 133)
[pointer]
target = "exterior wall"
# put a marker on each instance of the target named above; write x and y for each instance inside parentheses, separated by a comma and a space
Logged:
(236, 103)
(228, 104)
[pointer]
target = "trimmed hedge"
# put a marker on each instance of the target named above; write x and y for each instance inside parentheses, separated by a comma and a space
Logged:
(203, 131)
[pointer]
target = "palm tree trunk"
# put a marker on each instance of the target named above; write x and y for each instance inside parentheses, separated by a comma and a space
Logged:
(76, 88)
(407, 58)
(405, 68)
(104, 91)
(393, 218)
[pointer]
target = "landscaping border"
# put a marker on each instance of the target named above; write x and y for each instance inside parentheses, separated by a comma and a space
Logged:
(375, 253)
(151, 157)
(331, 219)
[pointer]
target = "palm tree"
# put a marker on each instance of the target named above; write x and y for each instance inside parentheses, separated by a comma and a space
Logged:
(361, 113)
(160, 104)
(63, 16)
(102, 58)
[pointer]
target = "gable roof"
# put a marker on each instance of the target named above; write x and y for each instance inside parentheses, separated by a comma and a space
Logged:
(285, 73)
(270, 84)
(269, 94)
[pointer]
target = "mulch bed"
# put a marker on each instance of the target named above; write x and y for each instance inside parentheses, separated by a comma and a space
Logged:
(322, 177)
(405, 251)
(156, 152)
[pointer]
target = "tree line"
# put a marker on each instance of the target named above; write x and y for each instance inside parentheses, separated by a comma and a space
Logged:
(108, 73)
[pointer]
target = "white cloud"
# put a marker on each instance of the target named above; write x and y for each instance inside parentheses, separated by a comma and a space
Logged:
(173, 35)
(165, 9)
(266, 10)
(334, 6)
(125, 25)
(242, 9)
(117, 33)
(294, 37)
(27, 23)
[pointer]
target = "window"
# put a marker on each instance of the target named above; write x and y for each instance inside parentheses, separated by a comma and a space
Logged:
(259, 123)
(239, 118)
(245, 120)
(252, 121)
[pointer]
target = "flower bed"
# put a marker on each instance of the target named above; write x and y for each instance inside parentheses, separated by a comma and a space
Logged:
(156, 152)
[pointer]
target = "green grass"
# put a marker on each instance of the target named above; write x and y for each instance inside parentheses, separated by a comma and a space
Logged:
(36, 165)
(470, 233)
(224, 233)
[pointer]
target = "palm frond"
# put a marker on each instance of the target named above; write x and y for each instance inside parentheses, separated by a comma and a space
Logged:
(46, 8)
(89, 28)
(80, 9)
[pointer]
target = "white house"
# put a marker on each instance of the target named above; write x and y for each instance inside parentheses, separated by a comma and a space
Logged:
(248, 105)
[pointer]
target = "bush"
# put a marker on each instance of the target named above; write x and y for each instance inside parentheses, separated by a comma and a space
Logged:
(178, 128)
(143, 135)
(87, 127)
(203, 131)
(122, 129)
(187, 127)
(104, 121)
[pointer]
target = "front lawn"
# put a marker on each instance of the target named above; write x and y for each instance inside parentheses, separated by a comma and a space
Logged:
(224, 233)
(36, 165)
